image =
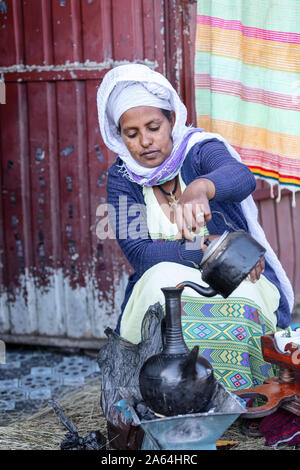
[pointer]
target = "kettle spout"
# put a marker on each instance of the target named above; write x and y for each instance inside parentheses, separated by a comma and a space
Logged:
(205, 291)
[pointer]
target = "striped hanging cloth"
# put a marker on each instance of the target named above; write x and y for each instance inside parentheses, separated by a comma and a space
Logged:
(247, 73)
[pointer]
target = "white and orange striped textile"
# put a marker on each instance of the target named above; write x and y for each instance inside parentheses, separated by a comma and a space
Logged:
(247, 77)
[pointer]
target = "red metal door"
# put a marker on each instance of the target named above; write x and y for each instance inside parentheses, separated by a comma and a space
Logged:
(59, 284)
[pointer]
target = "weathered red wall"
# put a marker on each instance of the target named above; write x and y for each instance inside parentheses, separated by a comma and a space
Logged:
(281, 223)
(59, 284)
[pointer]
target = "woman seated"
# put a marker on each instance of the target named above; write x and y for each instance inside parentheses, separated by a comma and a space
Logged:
(172, 182)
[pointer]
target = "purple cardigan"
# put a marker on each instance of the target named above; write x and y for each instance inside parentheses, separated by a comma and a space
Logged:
(233, 181)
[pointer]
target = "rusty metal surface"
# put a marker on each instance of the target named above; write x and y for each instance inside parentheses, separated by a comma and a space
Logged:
(281, 223)
(57, 280)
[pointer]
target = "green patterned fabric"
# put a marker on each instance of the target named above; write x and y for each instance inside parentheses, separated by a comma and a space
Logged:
(228, 333)
(247, 82)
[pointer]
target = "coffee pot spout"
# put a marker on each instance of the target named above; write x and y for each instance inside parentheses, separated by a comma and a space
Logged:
(189, 367)
(205, 291)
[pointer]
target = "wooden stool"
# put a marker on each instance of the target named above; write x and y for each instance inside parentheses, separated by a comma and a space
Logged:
(282, 391)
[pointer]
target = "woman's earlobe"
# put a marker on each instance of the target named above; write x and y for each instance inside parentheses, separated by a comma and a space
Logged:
(173, 118)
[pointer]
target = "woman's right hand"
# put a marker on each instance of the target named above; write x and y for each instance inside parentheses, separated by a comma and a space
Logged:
(193, 210)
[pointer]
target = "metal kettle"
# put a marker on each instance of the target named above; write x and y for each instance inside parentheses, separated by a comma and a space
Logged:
(226, 262)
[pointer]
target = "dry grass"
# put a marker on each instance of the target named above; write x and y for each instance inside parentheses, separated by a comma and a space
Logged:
(43, 430)
(234, 433)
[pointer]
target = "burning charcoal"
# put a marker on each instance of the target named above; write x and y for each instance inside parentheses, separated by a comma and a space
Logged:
(62, 417)
(144, 412)
(141, 409)
(93, 441)
(72, 442)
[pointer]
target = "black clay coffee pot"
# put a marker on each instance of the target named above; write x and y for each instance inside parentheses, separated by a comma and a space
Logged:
(177, 380)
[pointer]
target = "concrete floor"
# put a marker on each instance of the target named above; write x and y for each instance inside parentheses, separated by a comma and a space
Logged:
(30, 377)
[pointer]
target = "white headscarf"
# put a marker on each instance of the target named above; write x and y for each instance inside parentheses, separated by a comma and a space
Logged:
(130, 95)
(158, 85)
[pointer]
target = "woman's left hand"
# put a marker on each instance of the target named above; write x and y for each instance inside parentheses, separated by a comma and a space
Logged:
(257, 270)
(193, 210)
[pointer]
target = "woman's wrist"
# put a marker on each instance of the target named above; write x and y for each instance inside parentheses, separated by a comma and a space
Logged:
(193, 209)
(205, 185)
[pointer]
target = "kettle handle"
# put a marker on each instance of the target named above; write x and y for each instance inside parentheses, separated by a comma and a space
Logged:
(226, 221)
(206, 241)
(182, 241)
